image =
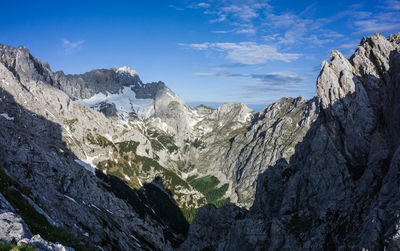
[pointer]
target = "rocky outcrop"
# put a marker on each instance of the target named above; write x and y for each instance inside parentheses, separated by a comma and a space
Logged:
(83, 86)
(340, 189)
(12, 227)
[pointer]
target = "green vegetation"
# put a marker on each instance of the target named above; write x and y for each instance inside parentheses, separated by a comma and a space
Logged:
(168, 142)
(208, 185)
(161, 141)
(197, 143)
(222, 202)
(7, 246)
(36, 222)
(99, 140)
(156, 145)
(127, 163)
(241, 130)
(127, 146)
(184, 166)
(70, 123)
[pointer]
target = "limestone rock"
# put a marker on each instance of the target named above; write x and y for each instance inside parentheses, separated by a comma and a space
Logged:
(13, 227)
(340, 189)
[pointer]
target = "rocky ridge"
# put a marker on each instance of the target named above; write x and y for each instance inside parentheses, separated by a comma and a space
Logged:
(51, 146)
(340, 189)
(207, 140)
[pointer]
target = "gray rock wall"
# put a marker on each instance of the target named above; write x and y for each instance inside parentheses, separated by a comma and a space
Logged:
(340, 189)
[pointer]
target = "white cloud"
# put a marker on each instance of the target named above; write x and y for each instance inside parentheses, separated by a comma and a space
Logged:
(247, 52)
(240, 16)
(205, 74)
(71, 47)
(351, 45)
(202, 46)
(387, 21)
(203, 5)
(221, 31)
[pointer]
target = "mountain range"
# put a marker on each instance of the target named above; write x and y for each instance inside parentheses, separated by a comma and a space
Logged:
(103, 161)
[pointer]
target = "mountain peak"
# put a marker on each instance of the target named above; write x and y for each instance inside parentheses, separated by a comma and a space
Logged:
(125, 69)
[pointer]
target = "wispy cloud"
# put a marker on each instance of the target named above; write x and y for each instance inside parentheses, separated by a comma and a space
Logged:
(293, 30)
(71, 47)
(240, 16)
(392, 5)
(205, 74)
(350, 45)
(247, 52)
(176, 7)
(271, 86)
(229, 66)
(203, 5)
(268, 85)
(387, 21)
(272, 78)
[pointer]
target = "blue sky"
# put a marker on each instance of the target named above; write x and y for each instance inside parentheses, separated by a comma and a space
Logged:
(206, 51)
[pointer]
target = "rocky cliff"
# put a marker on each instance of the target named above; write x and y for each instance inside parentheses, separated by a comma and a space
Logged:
(340, 189)
(49, 149)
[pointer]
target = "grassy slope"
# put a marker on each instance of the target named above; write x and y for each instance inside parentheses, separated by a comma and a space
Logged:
(208, 185)
(128, 164)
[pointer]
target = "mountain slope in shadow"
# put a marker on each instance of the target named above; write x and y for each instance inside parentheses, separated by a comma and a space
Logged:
(340, 190)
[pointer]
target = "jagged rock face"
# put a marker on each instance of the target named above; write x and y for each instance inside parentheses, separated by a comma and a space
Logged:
(340, 190)
(83, 86)
(240, 144)
(44, 141)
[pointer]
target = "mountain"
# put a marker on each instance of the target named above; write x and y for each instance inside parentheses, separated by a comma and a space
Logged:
(101, 160)
(340, 189)
(103, 142)
(50, 146)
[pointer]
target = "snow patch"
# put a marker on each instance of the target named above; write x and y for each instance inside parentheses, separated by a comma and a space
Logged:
(125, 102)
(85, 165)
(71, 199)
(169, 94)
(127, 177)
(126, 69)
(108, 136)
(5, 115)
(137, 241)
(95, 207)
(89, 160)
(100, 247)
